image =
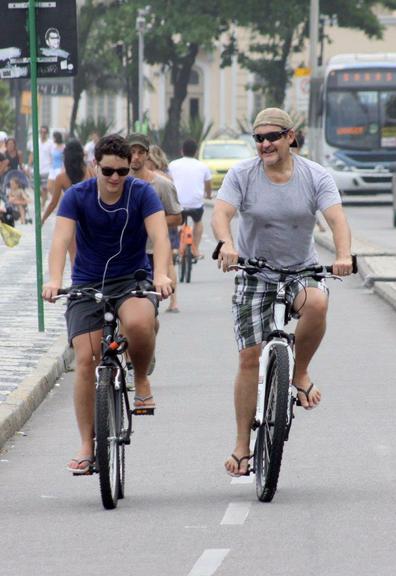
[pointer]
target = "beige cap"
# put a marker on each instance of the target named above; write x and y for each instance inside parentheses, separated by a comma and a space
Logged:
(274, 116)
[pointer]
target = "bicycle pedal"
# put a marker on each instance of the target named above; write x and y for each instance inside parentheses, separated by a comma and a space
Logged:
(87, 473)
(142, 411)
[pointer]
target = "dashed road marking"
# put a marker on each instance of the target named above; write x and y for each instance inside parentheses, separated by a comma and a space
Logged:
(236, 513)
(209, 561)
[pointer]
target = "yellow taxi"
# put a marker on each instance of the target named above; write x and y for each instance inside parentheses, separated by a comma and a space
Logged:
(220, 155)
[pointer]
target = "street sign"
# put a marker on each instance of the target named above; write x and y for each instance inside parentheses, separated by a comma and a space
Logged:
(56, 39)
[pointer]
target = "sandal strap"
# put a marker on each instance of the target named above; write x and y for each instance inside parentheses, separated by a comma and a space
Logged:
(305, 392)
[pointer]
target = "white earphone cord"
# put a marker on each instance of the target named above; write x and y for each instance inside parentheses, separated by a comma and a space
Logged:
(122, 231)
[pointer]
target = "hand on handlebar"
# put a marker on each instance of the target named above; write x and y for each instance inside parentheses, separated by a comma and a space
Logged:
(50, 290)
(163, 284)
(227, 256)
(343, 266)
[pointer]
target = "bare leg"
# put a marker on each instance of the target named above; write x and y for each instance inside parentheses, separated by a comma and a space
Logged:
(44, 194)
(197, 235)
(245, 397)
(140, 326)
(173, 276)
(87, 350)
(309, 333)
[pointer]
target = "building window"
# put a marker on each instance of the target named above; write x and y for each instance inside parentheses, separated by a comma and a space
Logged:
(46, 110)
(194, 78)
(194, 108)
(101, 106)
(111, 109)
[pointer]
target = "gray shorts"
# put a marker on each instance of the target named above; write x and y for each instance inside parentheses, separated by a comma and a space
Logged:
(85, 315)
(195, 213)
(252, 306)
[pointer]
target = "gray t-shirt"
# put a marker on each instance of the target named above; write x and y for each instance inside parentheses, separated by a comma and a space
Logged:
(277, 220)
(167, 193)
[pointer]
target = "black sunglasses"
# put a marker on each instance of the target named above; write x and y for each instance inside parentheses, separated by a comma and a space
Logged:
(271, 136)
(107, 171)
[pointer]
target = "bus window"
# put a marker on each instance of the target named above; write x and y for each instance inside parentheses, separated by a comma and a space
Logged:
(388, 119)
(352, 119)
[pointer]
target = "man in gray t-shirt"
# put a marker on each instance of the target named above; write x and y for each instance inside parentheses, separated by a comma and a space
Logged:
(276, 196)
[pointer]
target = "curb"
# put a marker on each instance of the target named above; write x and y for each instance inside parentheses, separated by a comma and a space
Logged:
(369, 256)
(21, 403)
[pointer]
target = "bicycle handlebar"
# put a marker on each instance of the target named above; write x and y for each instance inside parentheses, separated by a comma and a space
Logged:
(73, 292)
(257, 264)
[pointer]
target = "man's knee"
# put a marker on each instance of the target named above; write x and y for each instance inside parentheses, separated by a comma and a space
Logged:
(316, 304)
(249, 358)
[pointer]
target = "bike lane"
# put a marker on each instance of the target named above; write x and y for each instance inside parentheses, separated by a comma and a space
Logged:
(333, 513)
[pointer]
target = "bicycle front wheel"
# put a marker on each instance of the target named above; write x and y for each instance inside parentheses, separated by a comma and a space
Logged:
(108, 430)
(272, 433)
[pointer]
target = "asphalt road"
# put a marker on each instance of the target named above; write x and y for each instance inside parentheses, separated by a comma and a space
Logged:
(333, 515)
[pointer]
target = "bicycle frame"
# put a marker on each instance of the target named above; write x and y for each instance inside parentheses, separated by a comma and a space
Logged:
(186, 238)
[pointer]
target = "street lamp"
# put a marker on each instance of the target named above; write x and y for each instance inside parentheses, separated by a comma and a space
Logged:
(141, 29)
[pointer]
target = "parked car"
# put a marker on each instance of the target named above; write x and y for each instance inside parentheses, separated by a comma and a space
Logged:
(220, 155)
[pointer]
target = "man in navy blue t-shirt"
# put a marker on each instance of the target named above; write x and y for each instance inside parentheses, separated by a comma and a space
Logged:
(111, 217)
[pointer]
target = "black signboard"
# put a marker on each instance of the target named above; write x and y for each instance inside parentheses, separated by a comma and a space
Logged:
(56, 29)
(363, 78)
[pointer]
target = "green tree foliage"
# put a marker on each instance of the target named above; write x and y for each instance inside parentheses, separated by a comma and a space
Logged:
(279, 29)
(97, 66)
(175, 32)
(7, 113)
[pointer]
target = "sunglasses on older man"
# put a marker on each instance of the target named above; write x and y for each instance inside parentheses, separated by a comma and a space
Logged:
(108, 171)
(270, 136)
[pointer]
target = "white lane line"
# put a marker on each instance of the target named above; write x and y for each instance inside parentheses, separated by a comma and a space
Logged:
(236, 513)
(243, 479)
(209, 561)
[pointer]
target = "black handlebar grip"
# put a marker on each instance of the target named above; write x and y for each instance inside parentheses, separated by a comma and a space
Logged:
(63, 291)
(216, 251)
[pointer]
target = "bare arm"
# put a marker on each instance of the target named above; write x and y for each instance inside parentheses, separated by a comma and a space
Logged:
(208, 189)
(63, 236)
(223, 213)
(174, 219)
(58, 188)
(157, 231)
(336, 219)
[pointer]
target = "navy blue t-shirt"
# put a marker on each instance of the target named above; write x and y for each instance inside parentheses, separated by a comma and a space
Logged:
(100, 233)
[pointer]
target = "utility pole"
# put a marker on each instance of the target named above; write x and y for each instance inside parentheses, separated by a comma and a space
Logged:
(313, 64)
(141, 29)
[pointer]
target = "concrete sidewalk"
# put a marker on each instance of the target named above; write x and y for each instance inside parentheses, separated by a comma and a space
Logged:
(31, 362)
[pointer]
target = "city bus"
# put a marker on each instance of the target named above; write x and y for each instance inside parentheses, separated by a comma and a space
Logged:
(352, 121)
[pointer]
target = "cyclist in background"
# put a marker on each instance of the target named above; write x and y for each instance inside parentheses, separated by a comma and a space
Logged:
(192, 179)
(111, 215)
(166, 191)
(276, 195)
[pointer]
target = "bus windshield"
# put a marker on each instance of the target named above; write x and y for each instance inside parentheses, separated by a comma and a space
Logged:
(361, 119)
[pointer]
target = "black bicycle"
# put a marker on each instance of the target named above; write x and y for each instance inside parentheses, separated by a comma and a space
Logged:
(276, 393)
(113, 414)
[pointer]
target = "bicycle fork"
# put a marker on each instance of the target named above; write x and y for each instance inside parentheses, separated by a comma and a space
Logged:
(261, 390)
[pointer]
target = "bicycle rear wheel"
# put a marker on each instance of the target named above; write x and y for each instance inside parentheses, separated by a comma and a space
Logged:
(108, 430)
(272, 433)
(189, 261)
(182, 267)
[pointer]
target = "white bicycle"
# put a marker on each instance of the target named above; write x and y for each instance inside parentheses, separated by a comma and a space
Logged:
(276, 395)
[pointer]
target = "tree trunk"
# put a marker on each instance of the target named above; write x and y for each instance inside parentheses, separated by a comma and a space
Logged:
(180, 74)
(77, 91)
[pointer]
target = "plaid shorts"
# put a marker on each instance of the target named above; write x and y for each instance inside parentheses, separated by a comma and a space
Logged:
(252, 306)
